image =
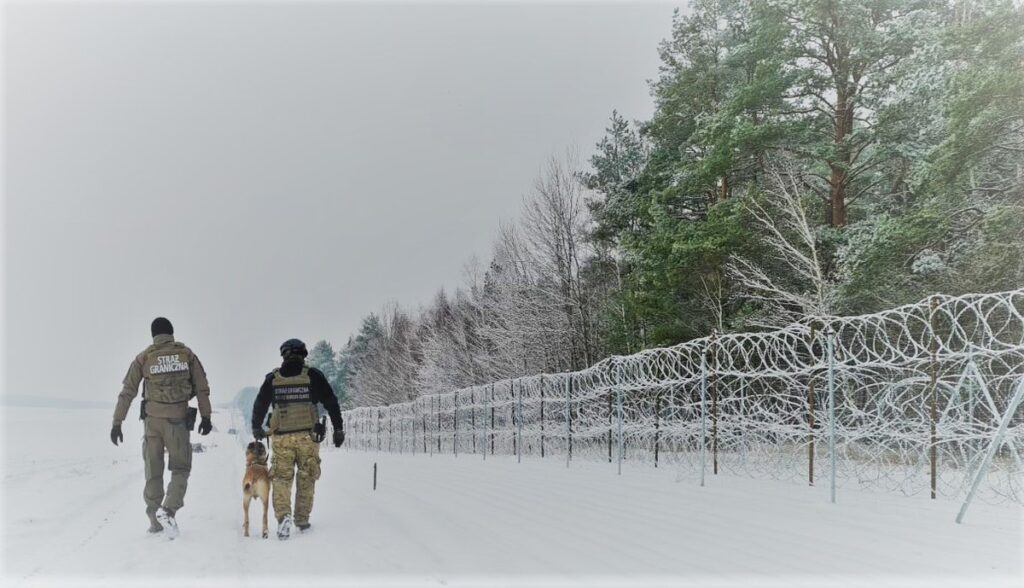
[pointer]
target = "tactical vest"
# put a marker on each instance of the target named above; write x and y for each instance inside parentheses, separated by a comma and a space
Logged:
(166, 373)
(294, 410)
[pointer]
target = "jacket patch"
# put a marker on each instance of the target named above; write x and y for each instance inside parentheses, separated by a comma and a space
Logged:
(292, 394)
(166, 364)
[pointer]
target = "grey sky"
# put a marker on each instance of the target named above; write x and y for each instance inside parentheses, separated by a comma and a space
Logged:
(260, 172)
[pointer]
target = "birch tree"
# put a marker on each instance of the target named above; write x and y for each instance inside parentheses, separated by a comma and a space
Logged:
(798, 284)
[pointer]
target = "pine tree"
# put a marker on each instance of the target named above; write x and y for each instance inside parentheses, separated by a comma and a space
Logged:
(323, 358)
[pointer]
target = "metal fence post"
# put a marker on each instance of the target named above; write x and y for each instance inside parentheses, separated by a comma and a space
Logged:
(512, 414)
(610, 417)
(542, 415)
(519, 422)
(568, 420)
(703, 414)
(618, 394)
(934, 441)
(492, 419)
(611, 389)
(810, 416)
(714, 404)
(657, 424)
(832, 407)
(483, 442)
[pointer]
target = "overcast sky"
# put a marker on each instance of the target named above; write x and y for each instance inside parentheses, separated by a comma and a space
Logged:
(261, 172)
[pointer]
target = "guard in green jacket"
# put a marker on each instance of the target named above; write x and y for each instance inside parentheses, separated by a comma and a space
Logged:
(171, 374)
(294, 390)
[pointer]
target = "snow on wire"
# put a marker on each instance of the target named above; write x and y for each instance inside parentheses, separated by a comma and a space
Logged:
(919, 392)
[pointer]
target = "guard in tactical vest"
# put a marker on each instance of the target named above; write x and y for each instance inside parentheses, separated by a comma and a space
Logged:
(171, 374)
(294, 390)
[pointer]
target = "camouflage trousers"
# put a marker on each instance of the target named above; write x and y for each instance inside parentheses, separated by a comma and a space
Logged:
(294, 452)
(172, 436)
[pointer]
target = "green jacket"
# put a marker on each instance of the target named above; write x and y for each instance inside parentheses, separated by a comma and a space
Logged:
(137, 374)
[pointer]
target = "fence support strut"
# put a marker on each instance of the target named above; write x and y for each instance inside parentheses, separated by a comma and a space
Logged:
(997, 441)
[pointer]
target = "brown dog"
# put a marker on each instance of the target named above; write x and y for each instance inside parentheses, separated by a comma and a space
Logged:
(256, 482)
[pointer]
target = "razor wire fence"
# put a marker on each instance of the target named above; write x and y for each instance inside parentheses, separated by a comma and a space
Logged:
(910, 399)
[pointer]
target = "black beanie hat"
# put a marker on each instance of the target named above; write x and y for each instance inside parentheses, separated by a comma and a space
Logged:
(161, 326)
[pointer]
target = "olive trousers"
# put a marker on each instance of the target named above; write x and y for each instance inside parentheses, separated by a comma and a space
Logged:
(170, 436)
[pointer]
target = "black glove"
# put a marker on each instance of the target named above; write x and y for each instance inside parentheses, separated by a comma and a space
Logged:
(116, 435)
(258, 433)
(205, 426)
(339, 438)
(319, 432)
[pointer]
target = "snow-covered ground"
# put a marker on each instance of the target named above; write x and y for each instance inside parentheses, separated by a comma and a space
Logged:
(73, 515)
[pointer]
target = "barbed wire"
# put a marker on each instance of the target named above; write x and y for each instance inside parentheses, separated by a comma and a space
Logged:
(919, 392)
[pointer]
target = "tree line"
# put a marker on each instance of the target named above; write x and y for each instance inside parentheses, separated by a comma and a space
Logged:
(805, 157)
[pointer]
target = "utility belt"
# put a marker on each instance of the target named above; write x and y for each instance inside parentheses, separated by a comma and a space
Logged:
(313, 434)
(190, 413)
(318, 433)
(279, 435)
(291, 432)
